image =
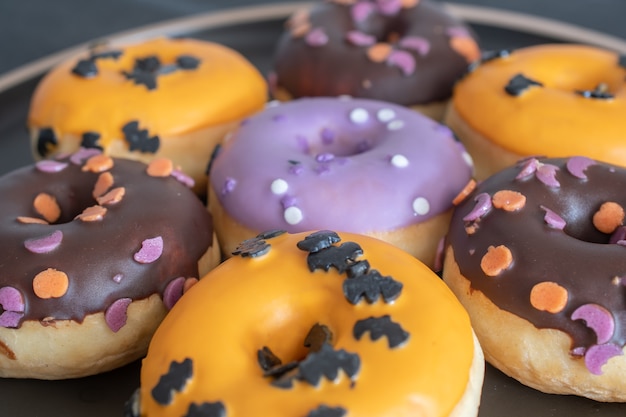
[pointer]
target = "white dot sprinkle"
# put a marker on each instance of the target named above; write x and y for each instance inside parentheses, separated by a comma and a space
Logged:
(468, 159)
(421, 206)
(395, 125)
(279, 186)
(359, 115)
(399, 161)
(386, 115)
(293, 215)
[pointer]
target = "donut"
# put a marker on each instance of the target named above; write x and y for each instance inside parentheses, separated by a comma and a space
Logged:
(172, 98)
(406, 52)
(550, 100)
(356, 165)
(94, 252)
(256, 336)
(536, 255)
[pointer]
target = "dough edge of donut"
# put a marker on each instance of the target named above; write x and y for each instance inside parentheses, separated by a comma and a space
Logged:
(518, 348)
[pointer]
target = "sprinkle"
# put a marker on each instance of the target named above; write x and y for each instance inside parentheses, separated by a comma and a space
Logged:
(316, 37)
(528, 168)
(279, 186)
(300, 29)
(416, 43)
(160, 167)
(324, 157)
(319, 240)
(598, 319)
(361, 11)
(548, 296)
(112, 197)
(326, 411)
(395, 125)
(618, 236)
(252, 248)
(46, 243)
(482, 207)
(379, 327)
(518, 84)
(466, 47)
(508, 200)
(359, 115)
(30, 220)
(403, 60)
(293, 215)
(597, 355)
(546, 173)
(80, 155)
(229, 185)
(175, 380)
(421, 206)
(370, 285)
(104, 182)
(189, 282)
(173, 291)
(385, 115)
(399, 161)
(50, 283)
(12, 307)
(609, 217)
(496, 260)
(183, 178)
(116, 314)
(151, 250)
(552, 219)
(49, 166)
(467, 158)
(359, 38)
(327, 136)
(407, 4)
(46, 205)
(288, 201)
(118, 278)
(379, 52)
(467, 190)
(98, 163)
(92, 214)
(577, 166)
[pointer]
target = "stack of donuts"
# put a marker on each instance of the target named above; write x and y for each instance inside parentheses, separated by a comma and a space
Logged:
(383, 147)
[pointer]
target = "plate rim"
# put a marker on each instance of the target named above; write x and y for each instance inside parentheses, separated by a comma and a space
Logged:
(489, 16)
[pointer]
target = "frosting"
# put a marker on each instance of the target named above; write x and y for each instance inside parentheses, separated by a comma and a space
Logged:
(556, 260)
(86, 234)
(348, 164)
(552, 100)
(259, 325)
(403, 52)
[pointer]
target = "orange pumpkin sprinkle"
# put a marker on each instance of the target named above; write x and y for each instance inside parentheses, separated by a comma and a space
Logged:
(50, 283)
(496, 260)
(466, 47)
(379, 52)
(409, 3)
(47, 206)
(609, 217)
(92, 214)
(548, 296)
(160, 167)
(98, 163)
(31, 220)
(189, 282)
(103, 184)
(112, 197)
(299, 29)
(508, 200)
(462, 195)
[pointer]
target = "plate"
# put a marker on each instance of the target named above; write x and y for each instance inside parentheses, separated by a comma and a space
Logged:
(253, 31)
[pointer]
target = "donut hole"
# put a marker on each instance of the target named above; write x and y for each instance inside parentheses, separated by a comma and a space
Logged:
(601, 223)
(70, 200)
(330, 143)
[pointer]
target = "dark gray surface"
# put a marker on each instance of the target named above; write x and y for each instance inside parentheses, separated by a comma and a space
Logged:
(104, 395)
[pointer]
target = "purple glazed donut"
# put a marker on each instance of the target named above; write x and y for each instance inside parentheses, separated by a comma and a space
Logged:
(356, 165)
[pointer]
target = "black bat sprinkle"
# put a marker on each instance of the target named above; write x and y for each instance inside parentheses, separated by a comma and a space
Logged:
(206, 410)
(371, 285)
(379, 327)
(340, 257)
(519, 83)
(174, 380)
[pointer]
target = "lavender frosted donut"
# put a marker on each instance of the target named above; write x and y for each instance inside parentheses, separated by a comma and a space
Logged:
(356, 165)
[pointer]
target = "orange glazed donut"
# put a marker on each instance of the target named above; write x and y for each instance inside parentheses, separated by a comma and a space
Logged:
(90, 263)
(314, 324)
(552, 100)
(173, 98)
(536, 253)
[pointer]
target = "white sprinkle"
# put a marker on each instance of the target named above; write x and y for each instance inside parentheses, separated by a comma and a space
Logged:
(468, 159)
(421, 206)
(359, 115)
(399, 161)
(386, 115)
(293, 215)
(395, 125)
(279, 186)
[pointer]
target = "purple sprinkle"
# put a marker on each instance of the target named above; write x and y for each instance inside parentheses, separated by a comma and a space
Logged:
(483, 205)
(359, 38)
(598, 319)
(597, 355)
(151, 250)
(362, 146)
(115, 315)
(552, 219)
(389, 7)
(361, 11)
(10, 319)
(44, 244)
(183, 178)
(546, 173)
(528, 169)
(403, 60)
(577, 166)
(118, 278)
(322, 169)
(457, 32)
(416, 43)
(296, 169)
(302, 143)
(82, 154)
(316, 37)
(618, 235)
(229, 185)
(279, 118)
(173, 292)
(11, 299)
(325, 157)
(621, 242)
(579, 351)
(288, 201)
(49, 166)
(327, 136)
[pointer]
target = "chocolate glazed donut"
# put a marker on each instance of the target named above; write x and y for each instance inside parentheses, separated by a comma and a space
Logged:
(404, 52)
